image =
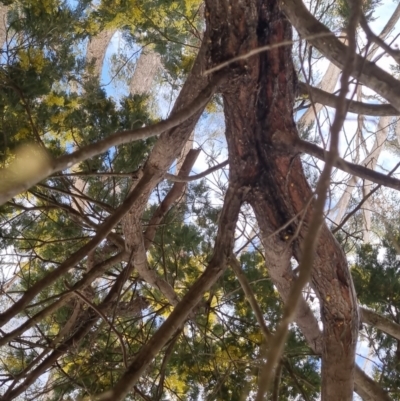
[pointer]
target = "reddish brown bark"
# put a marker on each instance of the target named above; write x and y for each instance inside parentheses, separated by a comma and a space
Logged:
(258, 103)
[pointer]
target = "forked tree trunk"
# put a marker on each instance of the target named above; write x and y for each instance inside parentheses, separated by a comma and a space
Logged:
(258, 104)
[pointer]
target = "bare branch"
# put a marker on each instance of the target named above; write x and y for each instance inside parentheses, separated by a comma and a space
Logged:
(237, 269)
(177, 178)
(367, 72)
(351, 168)
(96, 271)
(173, 195)
(75, 258)
(380, 322)
(366, 197)
(329, 99)
(103, 316)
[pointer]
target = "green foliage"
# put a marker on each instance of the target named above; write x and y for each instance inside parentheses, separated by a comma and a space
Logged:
(343, 9)
(376, 278)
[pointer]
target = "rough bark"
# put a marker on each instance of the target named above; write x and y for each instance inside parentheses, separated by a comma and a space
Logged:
(258, 103)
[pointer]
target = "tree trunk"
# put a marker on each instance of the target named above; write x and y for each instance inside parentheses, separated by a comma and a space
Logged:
(3, 24)
(96, 50)
(146, 68)
(258, 104)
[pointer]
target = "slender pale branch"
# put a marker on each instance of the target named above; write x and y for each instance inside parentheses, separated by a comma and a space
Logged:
(358, 207)
(223, 249)
(175, 178)
(299, 145)
(76, 257)
(380, 322)
(329, 99)
(103, 316)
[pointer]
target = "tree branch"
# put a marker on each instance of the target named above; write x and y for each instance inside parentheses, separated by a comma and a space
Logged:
(367, 72)
(380, 322)
(76, 257)
(173, 195)
(329, 99)
(222, 251)
(177, 178)
(12, 185)
(309, 246)
(355, 169)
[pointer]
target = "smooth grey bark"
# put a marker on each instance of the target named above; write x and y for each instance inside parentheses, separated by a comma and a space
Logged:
(96, 50)
(380, 322)
(147, 66)
(3, 24)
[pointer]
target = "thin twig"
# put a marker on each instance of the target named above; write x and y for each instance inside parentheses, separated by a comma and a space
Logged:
(261, 50)
(103, 316)
(175, 178)
(358, 207)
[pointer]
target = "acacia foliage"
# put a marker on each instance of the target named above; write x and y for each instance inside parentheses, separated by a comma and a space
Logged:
(80, 332)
